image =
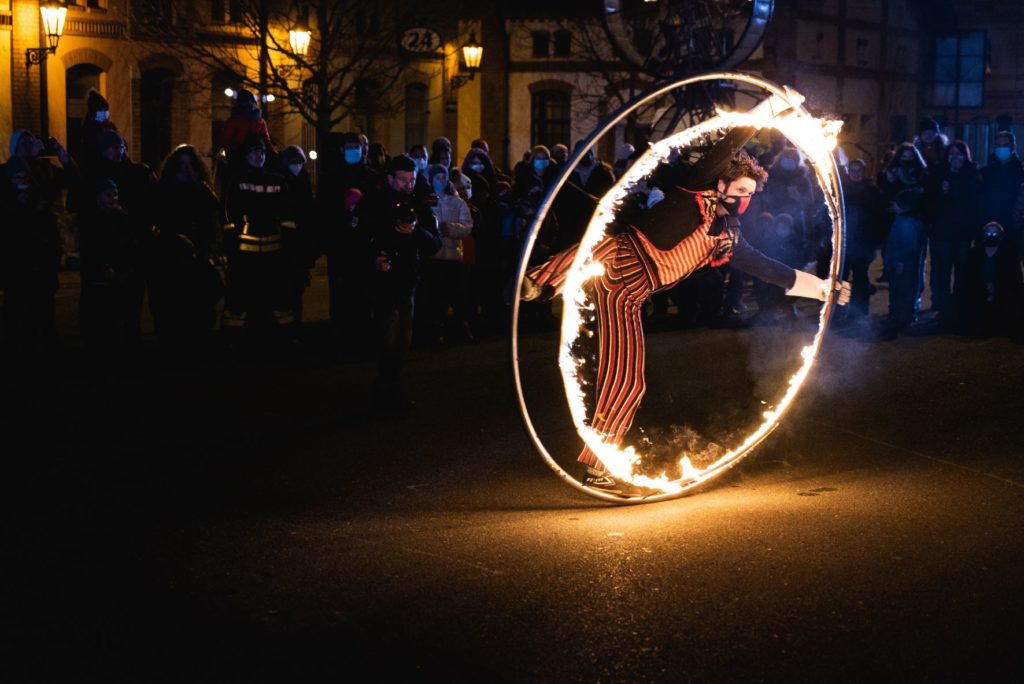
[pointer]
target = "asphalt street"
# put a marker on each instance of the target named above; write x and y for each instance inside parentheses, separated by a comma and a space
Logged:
(253, 520)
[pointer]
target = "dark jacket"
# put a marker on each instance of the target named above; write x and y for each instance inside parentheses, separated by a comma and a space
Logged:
(1000, 184)
(378, 214)
(955, 197)
(192, 210)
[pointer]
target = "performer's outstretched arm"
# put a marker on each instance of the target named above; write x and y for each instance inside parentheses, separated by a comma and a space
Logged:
(796, 283)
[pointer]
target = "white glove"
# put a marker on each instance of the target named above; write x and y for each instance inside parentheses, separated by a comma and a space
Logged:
(813, 287)
(654, 196)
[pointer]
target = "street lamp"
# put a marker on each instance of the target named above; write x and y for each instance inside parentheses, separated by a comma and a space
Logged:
(298, 38)
(53, 15)
(472, 54)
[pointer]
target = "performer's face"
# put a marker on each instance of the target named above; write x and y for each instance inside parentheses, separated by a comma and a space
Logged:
(737, 194)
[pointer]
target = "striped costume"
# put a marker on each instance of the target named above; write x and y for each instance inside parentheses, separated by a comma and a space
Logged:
(634, 269)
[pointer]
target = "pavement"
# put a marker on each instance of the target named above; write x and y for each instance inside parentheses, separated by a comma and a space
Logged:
(254, 520)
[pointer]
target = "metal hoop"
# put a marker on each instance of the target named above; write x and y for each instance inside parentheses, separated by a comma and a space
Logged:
(832, 191)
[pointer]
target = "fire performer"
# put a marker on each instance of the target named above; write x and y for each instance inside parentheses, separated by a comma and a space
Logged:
(695, 226)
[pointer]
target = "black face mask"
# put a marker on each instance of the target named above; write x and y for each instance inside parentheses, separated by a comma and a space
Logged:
(734, 205)
(992, 240)
(908, 165)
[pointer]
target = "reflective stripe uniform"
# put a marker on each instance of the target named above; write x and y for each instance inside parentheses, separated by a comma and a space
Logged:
(260, 242)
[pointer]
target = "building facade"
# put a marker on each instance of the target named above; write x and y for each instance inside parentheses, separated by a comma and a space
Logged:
(548, 73)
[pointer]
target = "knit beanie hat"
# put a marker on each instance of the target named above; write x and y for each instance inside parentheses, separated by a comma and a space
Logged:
(96, 102)
(15, 139)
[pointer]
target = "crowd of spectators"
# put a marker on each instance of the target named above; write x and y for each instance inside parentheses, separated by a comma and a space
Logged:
(421, 249)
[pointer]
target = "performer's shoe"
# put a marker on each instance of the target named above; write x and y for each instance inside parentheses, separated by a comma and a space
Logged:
(602, 481)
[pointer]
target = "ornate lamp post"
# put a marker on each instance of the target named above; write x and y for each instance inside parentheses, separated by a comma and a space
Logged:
(472, 54)
(298, 39)
(53, 15)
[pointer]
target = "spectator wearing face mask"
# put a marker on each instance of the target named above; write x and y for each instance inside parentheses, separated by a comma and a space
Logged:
(1001, 179)
(477, 166)
(906, 178)
(955, 189)
(788, 191)
(532, 181)
(421, 158)
(307, 232)
(445, 274)
(341, 240)
(95, 123)
(990, 303)
(587, 184)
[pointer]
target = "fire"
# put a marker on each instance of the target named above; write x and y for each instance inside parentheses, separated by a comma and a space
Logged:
(816, 138)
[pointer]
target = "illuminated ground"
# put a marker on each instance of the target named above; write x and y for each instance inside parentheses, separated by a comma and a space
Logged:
(268, 528)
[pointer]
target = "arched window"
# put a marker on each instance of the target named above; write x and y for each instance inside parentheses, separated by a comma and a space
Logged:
(77, 81)
(415, 114)
(550, 118)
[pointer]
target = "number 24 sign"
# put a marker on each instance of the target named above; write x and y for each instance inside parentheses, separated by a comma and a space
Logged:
(421, 40)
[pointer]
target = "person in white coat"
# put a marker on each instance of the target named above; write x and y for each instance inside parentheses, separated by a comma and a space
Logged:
(445, 281)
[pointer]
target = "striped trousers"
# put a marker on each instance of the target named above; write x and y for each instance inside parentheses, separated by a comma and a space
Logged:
(618, 295)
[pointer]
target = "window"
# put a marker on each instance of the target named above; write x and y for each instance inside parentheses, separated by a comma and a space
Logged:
(563, 43)
(550, 118)
(541, 43)
(415, 114)
(959, 76)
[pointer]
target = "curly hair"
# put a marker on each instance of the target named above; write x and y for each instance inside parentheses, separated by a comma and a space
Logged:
(742, 165)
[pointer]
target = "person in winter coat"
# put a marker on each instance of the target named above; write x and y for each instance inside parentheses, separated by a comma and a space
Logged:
(954, 193)
(183, 282)
(95, 123)
(259, 239)
(445, 277)
(300, 187)
(402, 232)
(1001, 180)
(112, 273)
(865, 221)
(29, 262)
(991, 300)
(246, 120)
(904, 189)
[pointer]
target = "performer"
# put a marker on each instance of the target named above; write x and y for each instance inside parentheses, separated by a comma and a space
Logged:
(696, 225)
